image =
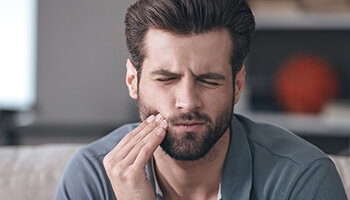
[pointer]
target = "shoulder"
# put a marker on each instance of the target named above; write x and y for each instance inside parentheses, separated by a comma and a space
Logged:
(285, 165)
(104, 145)
(278, 143)
(94, 153)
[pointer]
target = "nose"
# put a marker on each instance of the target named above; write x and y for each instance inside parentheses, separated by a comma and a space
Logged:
(187, 97)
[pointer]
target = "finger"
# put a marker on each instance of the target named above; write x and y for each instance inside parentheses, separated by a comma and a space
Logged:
(128, 137)
(152, 142)
(125, 145)
(134, 132)
(136, 147)
(137, 139)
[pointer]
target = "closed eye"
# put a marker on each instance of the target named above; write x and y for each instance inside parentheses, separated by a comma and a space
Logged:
(165, 76)
(209, 82)
(166, 79)
(212, 79)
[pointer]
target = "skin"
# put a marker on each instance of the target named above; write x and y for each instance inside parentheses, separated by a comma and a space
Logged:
(180, 75)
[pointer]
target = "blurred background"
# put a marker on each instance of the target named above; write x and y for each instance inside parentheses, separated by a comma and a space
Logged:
(77, 71)
(71, 87)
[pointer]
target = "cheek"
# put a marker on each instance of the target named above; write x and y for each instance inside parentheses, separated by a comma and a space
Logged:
(220, 96)
(156, 98)
(219, 100)
(163, 100)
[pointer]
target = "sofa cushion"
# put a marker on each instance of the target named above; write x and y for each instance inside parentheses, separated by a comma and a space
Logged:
(343, 166)
(33, 172)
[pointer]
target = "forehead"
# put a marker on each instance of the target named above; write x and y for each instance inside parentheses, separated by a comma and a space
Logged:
(205, 50)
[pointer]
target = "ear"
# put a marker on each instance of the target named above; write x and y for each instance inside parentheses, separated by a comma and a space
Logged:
(131, 79)
(239, 83)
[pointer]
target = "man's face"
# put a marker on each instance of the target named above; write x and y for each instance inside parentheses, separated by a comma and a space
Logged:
(188, 79)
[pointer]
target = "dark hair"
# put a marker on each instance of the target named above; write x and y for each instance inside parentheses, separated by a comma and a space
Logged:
(186, 17)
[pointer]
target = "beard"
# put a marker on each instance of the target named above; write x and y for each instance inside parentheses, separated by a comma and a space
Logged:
(191, 146)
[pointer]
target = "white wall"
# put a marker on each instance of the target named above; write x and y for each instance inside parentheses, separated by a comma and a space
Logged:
(81, 63)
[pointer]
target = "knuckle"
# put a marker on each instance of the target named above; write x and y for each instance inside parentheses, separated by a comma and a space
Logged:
(108, 162)
(137, 129)
(117, 172)
(132, 171)
(132, 134)
(137, 139)
(141, 143)
(145, 151)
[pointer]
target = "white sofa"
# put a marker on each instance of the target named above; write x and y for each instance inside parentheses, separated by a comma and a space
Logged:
(33, 172)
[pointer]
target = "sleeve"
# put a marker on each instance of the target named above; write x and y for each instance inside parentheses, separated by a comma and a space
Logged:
(319, 181)
(84, 178)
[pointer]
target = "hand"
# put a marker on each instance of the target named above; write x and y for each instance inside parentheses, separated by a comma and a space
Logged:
(125, 164)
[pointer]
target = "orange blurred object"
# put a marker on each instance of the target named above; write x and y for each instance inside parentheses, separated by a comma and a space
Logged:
(305, 83)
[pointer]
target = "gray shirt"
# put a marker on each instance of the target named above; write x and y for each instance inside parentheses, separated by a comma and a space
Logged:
(263, 162)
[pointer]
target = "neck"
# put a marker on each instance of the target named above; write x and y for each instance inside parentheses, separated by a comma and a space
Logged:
(198, 179)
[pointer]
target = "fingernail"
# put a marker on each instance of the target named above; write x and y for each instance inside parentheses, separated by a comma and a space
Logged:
(163, 124)
(159, 117)
(160, 132)
(150, 118)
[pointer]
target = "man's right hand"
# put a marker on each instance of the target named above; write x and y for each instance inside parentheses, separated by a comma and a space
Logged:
(125, 164)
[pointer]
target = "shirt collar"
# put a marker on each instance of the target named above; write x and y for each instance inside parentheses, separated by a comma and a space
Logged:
(237, 175)
(156, 184)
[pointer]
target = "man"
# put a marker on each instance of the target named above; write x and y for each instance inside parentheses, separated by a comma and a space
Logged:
(187, 72)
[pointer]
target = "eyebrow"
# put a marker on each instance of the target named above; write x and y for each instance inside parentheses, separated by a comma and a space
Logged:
(209, 75)
(212, 76)
(163, 72)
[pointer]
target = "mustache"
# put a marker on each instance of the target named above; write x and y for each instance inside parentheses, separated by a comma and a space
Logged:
(195, 116)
